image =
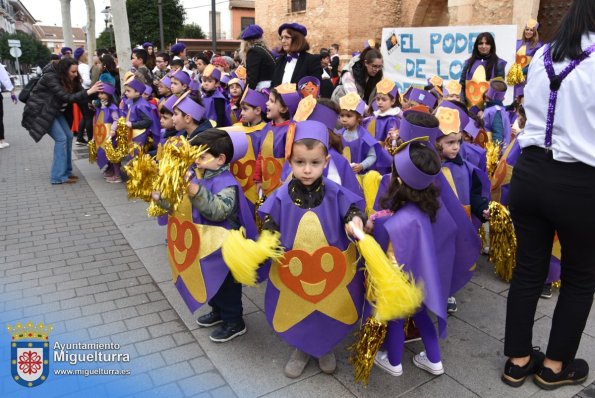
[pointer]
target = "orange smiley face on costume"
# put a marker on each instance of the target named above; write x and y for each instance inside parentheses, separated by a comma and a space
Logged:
(522, 60)
(481, 139)
(474, 91)
(183, 242)
(242, 171)
(271, 174)
(99, 134)
(449, 120)
(309, 89)
(313, 276)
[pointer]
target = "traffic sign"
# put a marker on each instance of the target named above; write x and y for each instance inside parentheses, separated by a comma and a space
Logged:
(14, 43)
(16, 52)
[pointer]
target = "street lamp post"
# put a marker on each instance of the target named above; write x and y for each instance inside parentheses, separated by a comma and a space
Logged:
(107, 12)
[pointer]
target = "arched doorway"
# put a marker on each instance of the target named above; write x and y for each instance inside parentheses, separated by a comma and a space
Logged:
(549, 17)
(431, 13)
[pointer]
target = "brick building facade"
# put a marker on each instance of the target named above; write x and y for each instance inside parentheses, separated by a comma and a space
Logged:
(350, 22)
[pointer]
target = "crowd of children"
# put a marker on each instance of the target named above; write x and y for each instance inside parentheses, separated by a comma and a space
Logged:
(410, 169)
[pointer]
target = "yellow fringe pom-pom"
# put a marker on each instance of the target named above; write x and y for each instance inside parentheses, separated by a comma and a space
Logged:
(503, 242)
(142, 171)
(492, 157)
(363, 351)
(116, 155)
(92, 147)
(244, 256)
(515, 75)
(370, 185)
(395, 293)
(154, 210)
(177, 157)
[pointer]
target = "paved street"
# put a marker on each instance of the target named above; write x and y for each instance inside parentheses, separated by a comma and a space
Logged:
(85, 259)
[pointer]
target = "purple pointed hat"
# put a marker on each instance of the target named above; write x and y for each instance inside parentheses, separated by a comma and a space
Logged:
(190, 107)
(310, 109)
(471, 128)
(295, 26)
(108, 88)
(239, 139)
(212, 71)
(421, 97)
(494, 93)
(255, 99)
(409, 131)
(148, 90)
(136, 85)
(181, 76)
(311, 129)
(409, 173)
(352, 102)
(225, 79)
(166, 81)
(307, 84)
(447, 114)
(169, 103)
(289, 96)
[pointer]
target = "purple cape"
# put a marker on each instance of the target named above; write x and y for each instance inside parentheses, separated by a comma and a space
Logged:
(134, 110)
(314, 322)
(211, 112)
(488, 119)
(475, 155)
(378, 126)
(106, 119)
(270, 143)
(212, 267)
(359, 150)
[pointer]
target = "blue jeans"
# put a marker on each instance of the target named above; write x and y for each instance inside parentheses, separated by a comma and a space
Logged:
(62, 162)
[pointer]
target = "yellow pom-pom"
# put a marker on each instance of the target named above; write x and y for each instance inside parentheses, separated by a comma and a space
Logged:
(492, 157)
(244, 256)
(92, 147)
(142, 171)
(515, 75)
(370, 185)
(503, 242)
(116, 155)
(154, 210)
(363, 351)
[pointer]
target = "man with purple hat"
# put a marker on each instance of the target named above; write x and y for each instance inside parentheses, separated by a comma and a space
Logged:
(66, 52)
(178, 51)
(315, 293)
(214, 205)
(295, 61)
(495, 118)
(141, 118)
(217, 106)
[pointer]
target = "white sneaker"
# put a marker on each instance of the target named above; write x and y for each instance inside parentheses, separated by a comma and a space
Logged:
(423, 362)
(4, 144)
(382, 361)
(485, 250)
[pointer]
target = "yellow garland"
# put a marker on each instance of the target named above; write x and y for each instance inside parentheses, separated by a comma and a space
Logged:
(515, 75)
(363, 351)
(116, 155)
(244, 256)
(492, 157)
(92, 151)
(177, 157)
(503, 242)
(142, 171)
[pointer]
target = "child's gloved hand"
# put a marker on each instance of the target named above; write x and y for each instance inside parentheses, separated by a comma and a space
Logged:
(486, 214)
(355, 228)
(156, 195)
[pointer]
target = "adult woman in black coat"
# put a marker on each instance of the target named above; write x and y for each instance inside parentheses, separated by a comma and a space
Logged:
(295, 62)
(257, 58)
(59, 85)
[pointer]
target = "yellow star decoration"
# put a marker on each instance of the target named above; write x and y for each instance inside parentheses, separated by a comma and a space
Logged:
(350, 101)
(372, 127)
(271, 166)
(338, 304)
(347, 153)
(453, 87)
(385, 86)
(210, 240)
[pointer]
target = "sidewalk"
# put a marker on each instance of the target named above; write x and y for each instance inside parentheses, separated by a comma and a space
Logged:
(89, 261)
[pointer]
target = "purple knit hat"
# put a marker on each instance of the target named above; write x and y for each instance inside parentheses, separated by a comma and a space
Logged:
(78, 53)
(147, 45)
(252, 32)
(177, 48)
(64, 50)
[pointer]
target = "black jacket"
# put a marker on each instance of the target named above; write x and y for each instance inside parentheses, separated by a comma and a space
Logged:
(45, 102)
(260, 65)
(307, 65)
